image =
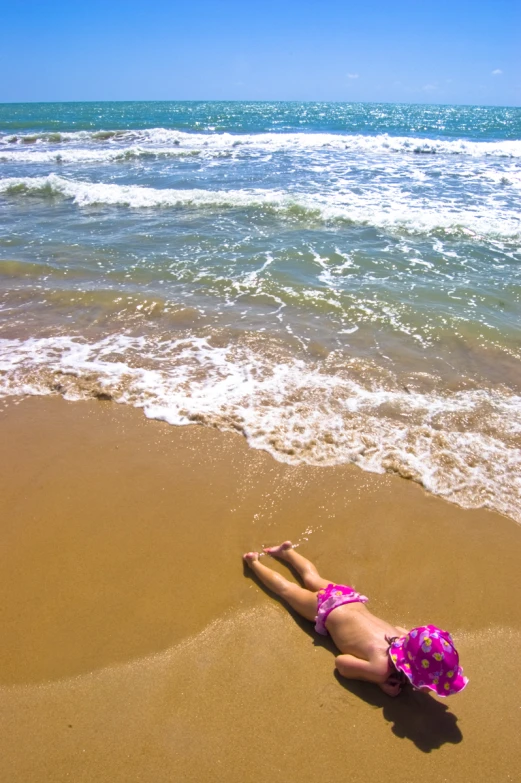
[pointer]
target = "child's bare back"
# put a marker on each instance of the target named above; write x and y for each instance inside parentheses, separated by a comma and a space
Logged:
(371, 648)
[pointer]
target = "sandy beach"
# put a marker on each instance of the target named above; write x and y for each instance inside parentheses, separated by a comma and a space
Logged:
(136, 647)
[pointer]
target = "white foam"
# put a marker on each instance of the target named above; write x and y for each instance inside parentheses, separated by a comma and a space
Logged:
(385, 207)
(89, 155)
(462, 445)
(272, 142)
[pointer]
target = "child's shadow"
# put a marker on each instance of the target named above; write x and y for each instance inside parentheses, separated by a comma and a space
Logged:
(415, 716)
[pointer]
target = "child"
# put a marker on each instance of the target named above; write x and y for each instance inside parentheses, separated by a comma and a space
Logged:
(371, 648)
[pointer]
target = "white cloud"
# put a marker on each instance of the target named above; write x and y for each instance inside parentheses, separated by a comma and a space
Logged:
(430, 87)
(497, 72)
(353, 76)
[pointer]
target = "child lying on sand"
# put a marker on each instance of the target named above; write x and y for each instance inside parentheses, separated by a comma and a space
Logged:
(371, 649)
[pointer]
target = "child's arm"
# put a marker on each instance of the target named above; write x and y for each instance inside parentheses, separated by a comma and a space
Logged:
(358, 669)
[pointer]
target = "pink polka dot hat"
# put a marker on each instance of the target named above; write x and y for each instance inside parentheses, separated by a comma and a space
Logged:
(428, 659)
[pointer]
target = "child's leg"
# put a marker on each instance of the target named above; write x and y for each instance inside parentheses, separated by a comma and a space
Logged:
(305, 568)
(303, 601)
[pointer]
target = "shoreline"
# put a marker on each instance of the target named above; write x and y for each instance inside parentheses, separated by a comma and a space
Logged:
(136, 646)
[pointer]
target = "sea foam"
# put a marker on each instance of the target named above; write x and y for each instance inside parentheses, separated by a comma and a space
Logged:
(379, 144)
(384, 207)
(461, 445)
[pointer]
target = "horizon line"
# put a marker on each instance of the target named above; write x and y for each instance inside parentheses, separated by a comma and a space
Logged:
(261, 100)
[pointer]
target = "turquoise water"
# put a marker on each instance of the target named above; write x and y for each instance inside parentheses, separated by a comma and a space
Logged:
(480, 123)
(338, 282)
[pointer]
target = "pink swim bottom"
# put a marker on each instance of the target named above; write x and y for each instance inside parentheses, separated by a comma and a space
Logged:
(331, 597)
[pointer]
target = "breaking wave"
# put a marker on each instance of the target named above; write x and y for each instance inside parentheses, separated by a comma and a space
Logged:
(384, 208)
(79, 156)
(270, 142)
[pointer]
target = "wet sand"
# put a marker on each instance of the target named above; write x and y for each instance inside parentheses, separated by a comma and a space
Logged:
(136, 647)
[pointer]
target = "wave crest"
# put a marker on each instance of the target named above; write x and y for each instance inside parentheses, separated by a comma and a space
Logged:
(389, 210)
(272, 142)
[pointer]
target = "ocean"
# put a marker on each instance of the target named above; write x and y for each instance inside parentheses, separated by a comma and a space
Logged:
(338, 282)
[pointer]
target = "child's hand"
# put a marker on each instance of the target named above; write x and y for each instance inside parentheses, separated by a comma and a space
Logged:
(392, 686)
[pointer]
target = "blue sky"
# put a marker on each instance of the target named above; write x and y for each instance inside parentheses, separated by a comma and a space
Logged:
(416, 52)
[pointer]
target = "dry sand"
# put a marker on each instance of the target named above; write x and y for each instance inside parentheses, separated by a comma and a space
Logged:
(136, 648)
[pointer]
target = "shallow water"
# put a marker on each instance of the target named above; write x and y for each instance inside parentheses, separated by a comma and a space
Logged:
(339, 282)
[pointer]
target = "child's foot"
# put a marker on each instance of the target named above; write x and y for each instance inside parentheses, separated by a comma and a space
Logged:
(278, 551)
(250, 557)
